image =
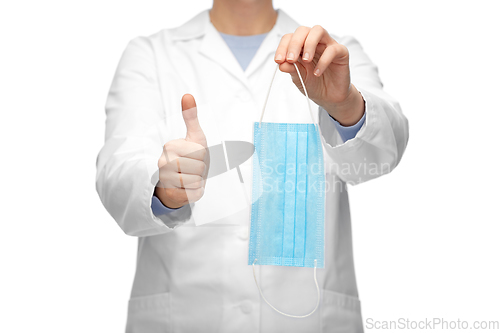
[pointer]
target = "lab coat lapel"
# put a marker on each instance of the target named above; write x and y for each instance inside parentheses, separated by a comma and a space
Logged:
(284, 24)
(215, 48)
(271, 42)
(269, 45)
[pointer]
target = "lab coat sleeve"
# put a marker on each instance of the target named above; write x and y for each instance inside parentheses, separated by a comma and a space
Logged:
(380, 143)
(349, 132)
(127, 165)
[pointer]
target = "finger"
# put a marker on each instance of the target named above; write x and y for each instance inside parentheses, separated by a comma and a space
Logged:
(181, 180)
(280, 55)
(317, 35)
(162, 161)
(190, 115)
(191, 195)
(296, 43)
(185, 196)
(290, 68)
(187, 166)
(182, 148)
(194, 194)
(334, 53)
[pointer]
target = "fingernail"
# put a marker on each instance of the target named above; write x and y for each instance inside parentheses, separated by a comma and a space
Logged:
(306, 56)
(290, 56)
(316, 72)
(278, 57)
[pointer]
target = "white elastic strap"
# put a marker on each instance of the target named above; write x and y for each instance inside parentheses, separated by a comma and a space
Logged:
(303, 86)
(286, 314)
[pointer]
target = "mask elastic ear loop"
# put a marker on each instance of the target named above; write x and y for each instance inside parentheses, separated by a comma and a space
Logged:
(280, 312)
(315, 261)
(305, 92)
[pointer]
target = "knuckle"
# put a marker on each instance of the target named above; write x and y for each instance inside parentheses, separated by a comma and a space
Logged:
(331, 48)
(162, 161)
(203, 153)
(286, 36)
(168, 146)
(302, 29)
(196, 185)
(200, 168)
(198, 181)
(342, 50)
(200, 154)
(318, 27)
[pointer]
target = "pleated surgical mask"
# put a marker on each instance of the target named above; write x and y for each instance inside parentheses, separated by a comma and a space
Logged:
(287, 220)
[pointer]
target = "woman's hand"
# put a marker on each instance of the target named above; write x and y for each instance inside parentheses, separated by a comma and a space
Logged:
(183, 165)
(324, 66)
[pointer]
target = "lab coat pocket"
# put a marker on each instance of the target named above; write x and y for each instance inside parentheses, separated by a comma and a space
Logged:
(149, 314)
(340, 313)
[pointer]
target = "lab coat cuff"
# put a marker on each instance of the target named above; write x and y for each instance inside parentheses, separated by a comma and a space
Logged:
(348, 132)
(333, 139)
(159, 208)
(374, 150)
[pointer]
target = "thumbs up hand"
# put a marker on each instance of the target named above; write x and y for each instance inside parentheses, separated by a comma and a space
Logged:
(183, 165)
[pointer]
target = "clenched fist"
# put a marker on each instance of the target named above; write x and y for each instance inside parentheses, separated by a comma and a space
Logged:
(183, 165)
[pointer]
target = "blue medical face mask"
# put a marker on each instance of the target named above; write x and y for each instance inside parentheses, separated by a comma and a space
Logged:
(287, 224)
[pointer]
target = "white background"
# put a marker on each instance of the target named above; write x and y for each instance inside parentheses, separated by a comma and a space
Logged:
(426, 237)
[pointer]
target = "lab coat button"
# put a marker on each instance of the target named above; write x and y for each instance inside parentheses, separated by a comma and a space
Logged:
(246, 307)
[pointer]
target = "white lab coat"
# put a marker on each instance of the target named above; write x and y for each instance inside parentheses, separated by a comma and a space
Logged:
(196, 278)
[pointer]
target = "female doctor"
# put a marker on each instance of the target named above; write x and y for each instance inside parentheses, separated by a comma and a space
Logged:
(152, 172)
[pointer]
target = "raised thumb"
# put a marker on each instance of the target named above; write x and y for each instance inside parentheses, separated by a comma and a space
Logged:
(189, 113)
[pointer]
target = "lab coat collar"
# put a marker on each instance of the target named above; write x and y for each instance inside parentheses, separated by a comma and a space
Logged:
(215, 48)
